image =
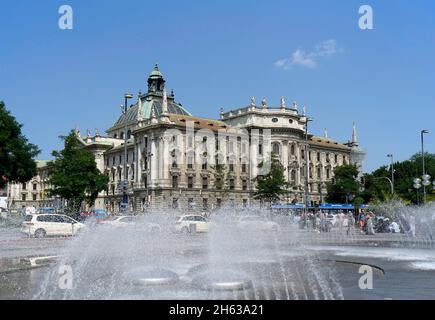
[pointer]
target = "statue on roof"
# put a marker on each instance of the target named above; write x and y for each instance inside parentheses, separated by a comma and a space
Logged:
(295, 105)
(264, 103)
(252, 101)
(283, 106)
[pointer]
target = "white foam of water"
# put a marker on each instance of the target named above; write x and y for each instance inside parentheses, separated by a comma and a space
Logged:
(393, 254)
(423, 265)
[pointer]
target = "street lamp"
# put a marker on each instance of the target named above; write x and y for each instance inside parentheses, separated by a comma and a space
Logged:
(425, 181)
(125, 182)
(392, 171)
(307, 163)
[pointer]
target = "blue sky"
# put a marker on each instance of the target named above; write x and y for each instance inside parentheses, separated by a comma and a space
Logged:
(218, 54)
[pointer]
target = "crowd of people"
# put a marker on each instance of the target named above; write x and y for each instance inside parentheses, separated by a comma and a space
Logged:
(365, 222)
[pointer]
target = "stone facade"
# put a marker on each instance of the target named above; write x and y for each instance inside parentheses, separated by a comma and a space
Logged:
(176, 160)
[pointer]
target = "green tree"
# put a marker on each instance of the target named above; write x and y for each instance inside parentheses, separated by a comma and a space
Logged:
(345, 187)
(221, 179)
(74, 175)
(271, 186)
(377, 188)
(17, 155)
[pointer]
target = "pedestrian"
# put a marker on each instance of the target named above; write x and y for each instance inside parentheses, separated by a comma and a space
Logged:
(412, 225)
(350, 224)
(369, 224)
(341, 220)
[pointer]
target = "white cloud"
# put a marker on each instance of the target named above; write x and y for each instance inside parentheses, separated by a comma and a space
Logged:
(310, 59)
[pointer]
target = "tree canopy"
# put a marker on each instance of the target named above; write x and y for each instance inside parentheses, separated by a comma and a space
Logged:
(17, 155)
(376, 188)
(345, 187)
(271, 186)
(74, 175)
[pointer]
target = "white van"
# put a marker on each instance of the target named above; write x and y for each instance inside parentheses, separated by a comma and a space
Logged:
(42, 225)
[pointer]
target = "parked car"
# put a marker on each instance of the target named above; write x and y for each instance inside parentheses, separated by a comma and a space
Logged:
(257, 223)
(42, 225)
(96, 216)
(183, 223)
(136, 221)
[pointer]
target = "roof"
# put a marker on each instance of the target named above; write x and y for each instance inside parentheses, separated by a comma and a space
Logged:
(199, 123)
(327, 143)
(148, 105)
(42, 163)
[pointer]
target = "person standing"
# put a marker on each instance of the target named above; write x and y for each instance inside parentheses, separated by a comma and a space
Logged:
(350, 224)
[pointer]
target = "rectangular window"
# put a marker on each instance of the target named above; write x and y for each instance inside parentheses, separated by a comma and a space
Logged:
(245, 185)
(23, 197)
(231, 184)
(205, 203)
(218, 183)
(174, 181)
(34, 197)
(244, 167)
(24, 186)
(204, 183)
(260, 149)
(189, 182)
(35, 186)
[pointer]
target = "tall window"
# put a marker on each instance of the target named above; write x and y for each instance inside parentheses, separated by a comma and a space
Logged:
(275, 148)
(190, 182)
(244, 167)
(244, 185)
(231, 184)
(190, 162)
(24, 186)
(293, 176)
(292, 150)
(204, 183)
(174, 182)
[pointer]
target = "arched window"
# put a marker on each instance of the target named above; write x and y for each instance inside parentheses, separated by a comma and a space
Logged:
(121, 136)
(275, 148)
(115, 136)
(292, 150)
(128, 134)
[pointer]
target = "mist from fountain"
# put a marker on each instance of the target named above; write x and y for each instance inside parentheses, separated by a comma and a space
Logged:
(229, 262)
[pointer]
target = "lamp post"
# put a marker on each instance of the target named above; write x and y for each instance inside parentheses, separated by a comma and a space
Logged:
(307, 163)
(423, 132)
(392, 172)
(125, 182)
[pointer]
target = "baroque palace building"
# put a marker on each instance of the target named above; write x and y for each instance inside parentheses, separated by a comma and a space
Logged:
(177, 160)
